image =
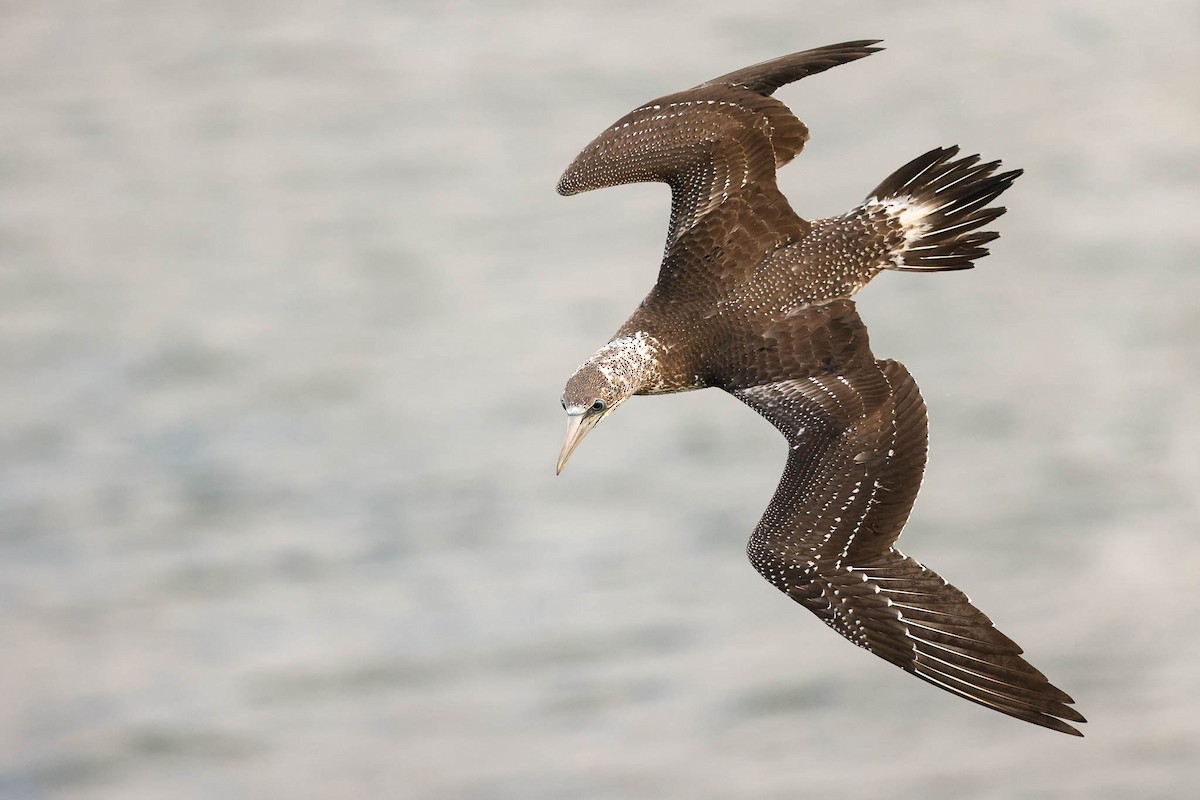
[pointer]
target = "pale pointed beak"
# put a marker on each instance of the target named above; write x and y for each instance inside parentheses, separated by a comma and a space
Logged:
(577, 427)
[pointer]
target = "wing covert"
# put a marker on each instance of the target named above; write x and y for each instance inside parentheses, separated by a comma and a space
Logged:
(857, 454)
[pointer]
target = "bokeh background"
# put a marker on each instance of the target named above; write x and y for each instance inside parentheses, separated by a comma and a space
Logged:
(286, 305)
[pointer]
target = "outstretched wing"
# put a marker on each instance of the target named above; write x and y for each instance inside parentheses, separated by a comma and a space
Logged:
(858, 444)
(717, 145)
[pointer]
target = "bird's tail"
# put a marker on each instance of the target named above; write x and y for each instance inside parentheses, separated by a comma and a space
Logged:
(939, 204)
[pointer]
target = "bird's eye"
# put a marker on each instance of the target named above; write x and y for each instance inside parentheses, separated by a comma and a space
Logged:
(564, 403)
(598, 405)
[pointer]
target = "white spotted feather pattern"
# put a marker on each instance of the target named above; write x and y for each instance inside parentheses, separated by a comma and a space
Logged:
(755, 300)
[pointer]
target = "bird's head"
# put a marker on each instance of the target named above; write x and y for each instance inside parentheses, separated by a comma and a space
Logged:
(606, 380)
(589, 397)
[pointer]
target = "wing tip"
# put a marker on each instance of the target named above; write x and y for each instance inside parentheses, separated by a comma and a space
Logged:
(1046, 714)
(767, 76)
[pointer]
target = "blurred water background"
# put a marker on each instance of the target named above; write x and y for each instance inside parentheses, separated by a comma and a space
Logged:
(286, 305)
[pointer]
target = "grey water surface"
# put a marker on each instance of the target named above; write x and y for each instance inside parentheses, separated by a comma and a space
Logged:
(286, 304)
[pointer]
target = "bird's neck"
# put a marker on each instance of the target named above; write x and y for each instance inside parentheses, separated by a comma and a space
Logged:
(630, 363)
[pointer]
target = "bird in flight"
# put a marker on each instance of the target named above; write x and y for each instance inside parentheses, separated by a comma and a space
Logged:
(755, 300)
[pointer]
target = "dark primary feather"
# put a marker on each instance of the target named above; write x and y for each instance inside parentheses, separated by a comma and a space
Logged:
(767, 76)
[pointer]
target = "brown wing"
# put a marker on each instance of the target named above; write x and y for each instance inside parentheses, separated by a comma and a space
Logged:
(858, 444)
(767, 76)
(717, 145)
